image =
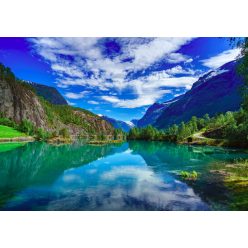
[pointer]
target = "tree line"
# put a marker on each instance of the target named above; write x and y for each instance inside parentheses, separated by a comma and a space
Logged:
(231, 126)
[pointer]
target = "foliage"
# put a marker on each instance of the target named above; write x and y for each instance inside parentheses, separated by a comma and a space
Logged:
(6, 74)
(189, 175)
(27, 127)
(41, 134)
(67, 115)
(231, 126)
(7, 122)
(10, 129)
(64, 133)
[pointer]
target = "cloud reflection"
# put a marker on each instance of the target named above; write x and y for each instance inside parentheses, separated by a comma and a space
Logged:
(125, 187)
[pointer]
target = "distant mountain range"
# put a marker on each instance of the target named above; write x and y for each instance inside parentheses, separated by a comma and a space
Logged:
(125, 126)
(153, 113)
(215, 92)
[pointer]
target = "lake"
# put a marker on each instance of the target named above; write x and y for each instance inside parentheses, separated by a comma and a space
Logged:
(135, 175)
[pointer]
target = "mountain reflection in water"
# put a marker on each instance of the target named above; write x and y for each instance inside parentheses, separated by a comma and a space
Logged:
(130, 176)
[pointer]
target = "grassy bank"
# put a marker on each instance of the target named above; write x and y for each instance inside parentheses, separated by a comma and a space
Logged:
(199, 139)
(9, 132)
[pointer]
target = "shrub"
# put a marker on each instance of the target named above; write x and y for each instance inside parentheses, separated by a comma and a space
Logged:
(7, 122)
(189, 175)
(64, 133)
(27, 127)
(41, 134)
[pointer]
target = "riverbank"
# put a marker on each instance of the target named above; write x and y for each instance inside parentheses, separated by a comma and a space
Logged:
(17, 139)
(199, 139)
(9, 134)
(104, 142)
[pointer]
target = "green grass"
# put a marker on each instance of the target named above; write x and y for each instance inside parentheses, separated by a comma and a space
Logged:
(189, 175)
(4, 147)
(9, 132)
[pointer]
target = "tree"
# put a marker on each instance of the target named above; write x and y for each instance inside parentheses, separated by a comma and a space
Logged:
(27, 127)
(64, 133)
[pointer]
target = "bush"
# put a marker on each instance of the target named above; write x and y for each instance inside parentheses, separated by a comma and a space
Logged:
(189, 175)
(64, 133)
(41, 134)
(27, 127)
(7, 122)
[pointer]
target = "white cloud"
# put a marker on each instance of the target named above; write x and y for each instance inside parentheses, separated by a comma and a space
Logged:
(145, 99)
(179, 70)
(148, 53)
(68, 70)
(93, 102)
(79, 95)
(189, 60)
(222, 58)
(174, 58)
(71, 58)
(149, 89)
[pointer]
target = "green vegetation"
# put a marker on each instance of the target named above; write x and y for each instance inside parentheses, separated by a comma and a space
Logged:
(10, 129)
(9, 132)
(189, 175)
(229, 129)
(7, 75)
(64, 133)
(67, 115)
(234, 176)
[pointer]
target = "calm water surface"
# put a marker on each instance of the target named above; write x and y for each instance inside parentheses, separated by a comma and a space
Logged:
(128, 176)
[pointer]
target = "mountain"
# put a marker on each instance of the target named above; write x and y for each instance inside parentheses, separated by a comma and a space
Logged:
(215, 92)
(19, 101)
(135, 122)
(125, 126)
(153, 112)
(51, 94)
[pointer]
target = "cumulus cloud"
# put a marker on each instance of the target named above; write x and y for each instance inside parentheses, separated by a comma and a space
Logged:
(222, 58)
(179, 70)
(81, 62)
(79, 95)
(93, 102)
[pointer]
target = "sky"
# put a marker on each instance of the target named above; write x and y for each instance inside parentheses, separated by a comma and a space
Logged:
(116, 77)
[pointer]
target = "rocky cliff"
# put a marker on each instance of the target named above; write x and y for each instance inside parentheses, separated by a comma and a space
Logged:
(19, 101)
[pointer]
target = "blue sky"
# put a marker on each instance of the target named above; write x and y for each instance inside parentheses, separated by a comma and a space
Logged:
(117, 77)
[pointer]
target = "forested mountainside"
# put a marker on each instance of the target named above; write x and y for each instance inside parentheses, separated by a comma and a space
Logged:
(51, 94)
(215, 92)
(19, 102)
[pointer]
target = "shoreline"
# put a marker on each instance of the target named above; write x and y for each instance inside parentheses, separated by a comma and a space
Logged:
(17, 139)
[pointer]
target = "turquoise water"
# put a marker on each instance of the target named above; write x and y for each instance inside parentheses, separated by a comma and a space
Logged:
(129, 176)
